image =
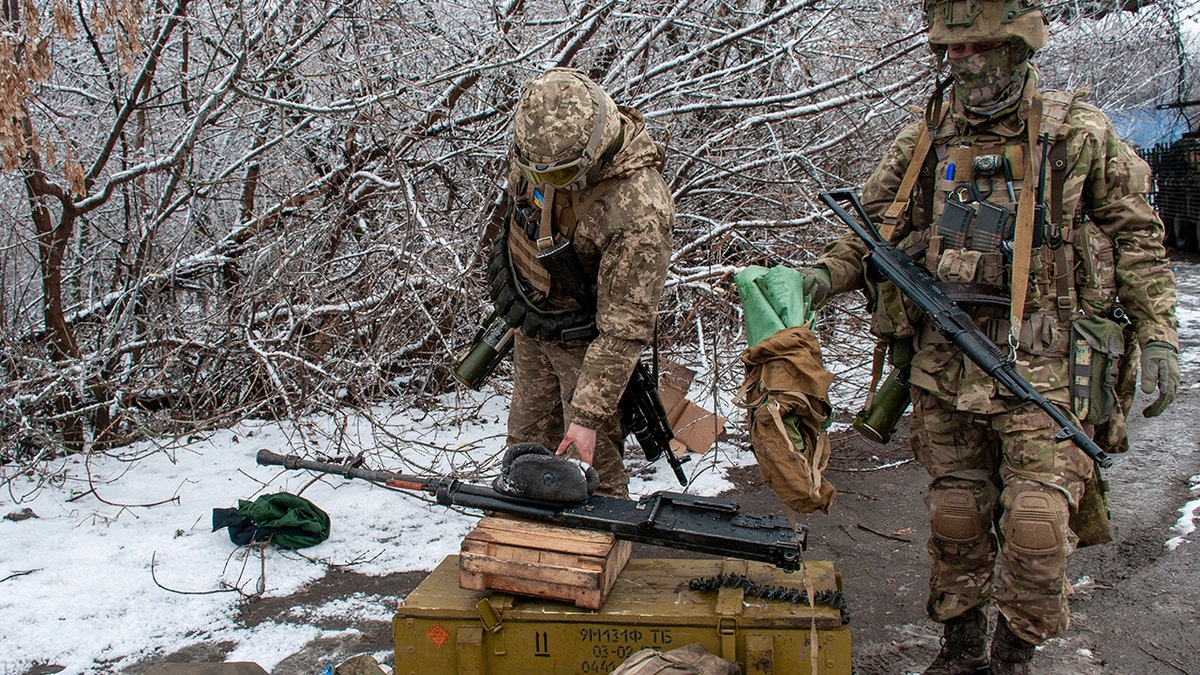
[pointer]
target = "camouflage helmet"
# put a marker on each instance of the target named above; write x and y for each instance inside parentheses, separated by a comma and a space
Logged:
(563, 123)
(974, 21)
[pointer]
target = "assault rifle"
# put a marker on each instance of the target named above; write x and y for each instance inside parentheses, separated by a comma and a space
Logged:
(643, 413)
(918, 285)
(703, 524)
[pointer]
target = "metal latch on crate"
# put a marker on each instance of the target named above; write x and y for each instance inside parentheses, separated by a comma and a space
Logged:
(491, 610)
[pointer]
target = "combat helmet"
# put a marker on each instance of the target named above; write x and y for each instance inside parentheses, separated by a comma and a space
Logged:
(974, 21)
(564, 122)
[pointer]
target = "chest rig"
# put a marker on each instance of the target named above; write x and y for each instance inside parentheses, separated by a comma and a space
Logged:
(535, 278)
(989, 219)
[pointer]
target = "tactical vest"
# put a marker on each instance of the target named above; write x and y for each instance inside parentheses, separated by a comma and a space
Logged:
(968, 189)
(522, 289)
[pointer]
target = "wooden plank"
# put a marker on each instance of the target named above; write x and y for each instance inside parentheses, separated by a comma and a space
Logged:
(540, 535)
(472, 581)
(614, 565)
(585, 563)
(554, 574)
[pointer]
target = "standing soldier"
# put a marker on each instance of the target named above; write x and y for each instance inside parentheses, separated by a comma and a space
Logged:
(580, 268)
(1028, 204)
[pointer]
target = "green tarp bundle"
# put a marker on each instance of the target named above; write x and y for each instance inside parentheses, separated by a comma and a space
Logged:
(287, 520)
(772, 299)
(786, 387)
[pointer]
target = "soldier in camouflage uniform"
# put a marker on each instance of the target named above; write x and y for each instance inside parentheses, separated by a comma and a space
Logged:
(584, 174)
(1002, 489)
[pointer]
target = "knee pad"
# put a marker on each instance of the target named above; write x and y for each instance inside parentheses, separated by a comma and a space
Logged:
(956, 518)
(1033, 526)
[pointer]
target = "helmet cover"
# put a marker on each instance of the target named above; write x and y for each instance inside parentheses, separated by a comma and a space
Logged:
(977, 21)
(563, 118)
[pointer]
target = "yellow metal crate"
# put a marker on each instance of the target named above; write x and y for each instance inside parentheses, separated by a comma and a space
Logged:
(442, 629)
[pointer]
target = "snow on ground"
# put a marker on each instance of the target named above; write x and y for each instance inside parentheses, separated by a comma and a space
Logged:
(85, 582)
(120, 563)
(1187, 522)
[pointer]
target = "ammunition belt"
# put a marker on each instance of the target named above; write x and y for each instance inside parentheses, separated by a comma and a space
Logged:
(504, 286)
(825, 598)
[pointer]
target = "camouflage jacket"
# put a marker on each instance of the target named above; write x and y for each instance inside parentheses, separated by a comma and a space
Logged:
(623, 238)
(1114, 249)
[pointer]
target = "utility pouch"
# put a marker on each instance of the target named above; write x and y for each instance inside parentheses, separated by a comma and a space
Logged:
(959, 264)
(1097, 344)
(893, 315)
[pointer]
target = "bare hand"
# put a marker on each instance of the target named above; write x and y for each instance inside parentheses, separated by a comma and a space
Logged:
(584, 440)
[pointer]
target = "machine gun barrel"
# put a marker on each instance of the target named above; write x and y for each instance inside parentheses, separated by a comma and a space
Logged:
(702, 524)
(919, 286)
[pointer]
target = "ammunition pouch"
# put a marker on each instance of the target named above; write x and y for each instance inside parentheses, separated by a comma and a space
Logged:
(511, 302)
(1097, 344)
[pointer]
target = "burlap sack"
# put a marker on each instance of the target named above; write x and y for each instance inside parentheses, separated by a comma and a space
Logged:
(786, 396)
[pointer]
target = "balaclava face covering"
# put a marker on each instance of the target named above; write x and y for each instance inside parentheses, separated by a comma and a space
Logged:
(990, 82)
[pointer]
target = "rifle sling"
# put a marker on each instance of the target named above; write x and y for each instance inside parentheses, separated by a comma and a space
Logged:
(1023, 237)
(891, 217)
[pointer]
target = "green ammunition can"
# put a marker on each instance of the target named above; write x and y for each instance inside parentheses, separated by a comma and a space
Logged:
(878, 422)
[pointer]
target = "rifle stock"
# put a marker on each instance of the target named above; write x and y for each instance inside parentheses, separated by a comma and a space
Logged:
(918, 285)
(703, 524)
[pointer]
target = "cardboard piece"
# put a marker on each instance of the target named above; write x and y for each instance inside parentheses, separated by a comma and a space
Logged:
(696, 429)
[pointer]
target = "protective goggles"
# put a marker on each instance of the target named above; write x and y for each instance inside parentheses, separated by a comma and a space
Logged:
(562, 174)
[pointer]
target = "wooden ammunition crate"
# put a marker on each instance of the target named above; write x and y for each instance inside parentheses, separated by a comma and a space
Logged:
(443, 629)
(545, 561)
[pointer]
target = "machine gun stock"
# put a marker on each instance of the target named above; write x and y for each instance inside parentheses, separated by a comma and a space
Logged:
(703, 524)
(918, 285)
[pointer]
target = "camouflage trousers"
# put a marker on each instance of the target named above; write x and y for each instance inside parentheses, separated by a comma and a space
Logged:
(543, 373)
(1001, 491)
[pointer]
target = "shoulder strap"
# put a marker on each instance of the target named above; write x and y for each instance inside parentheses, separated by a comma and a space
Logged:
(1023, 236)
(1056, 106)
(891, 217)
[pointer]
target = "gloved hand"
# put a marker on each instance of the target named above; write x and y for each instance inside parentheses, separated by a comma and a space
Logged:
(1160, 370)
(902, 352)
(817, 284)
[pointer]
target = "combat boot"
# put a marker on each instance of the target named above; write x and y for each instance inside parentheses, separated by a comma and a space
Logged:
(1010, 654)
(964, 646)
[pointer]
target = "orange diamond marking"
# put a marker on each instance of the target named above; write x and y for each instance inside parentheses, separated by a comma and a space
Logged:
(438, 635)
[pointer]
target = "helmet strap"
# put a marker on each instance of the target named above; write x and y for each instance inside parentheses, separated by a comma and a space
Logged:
(933, 109)
(593, 144)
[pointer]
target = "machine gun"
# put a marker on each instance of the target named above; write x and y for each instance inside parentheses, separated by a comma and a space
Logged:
(703, 524)
(918, 285)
